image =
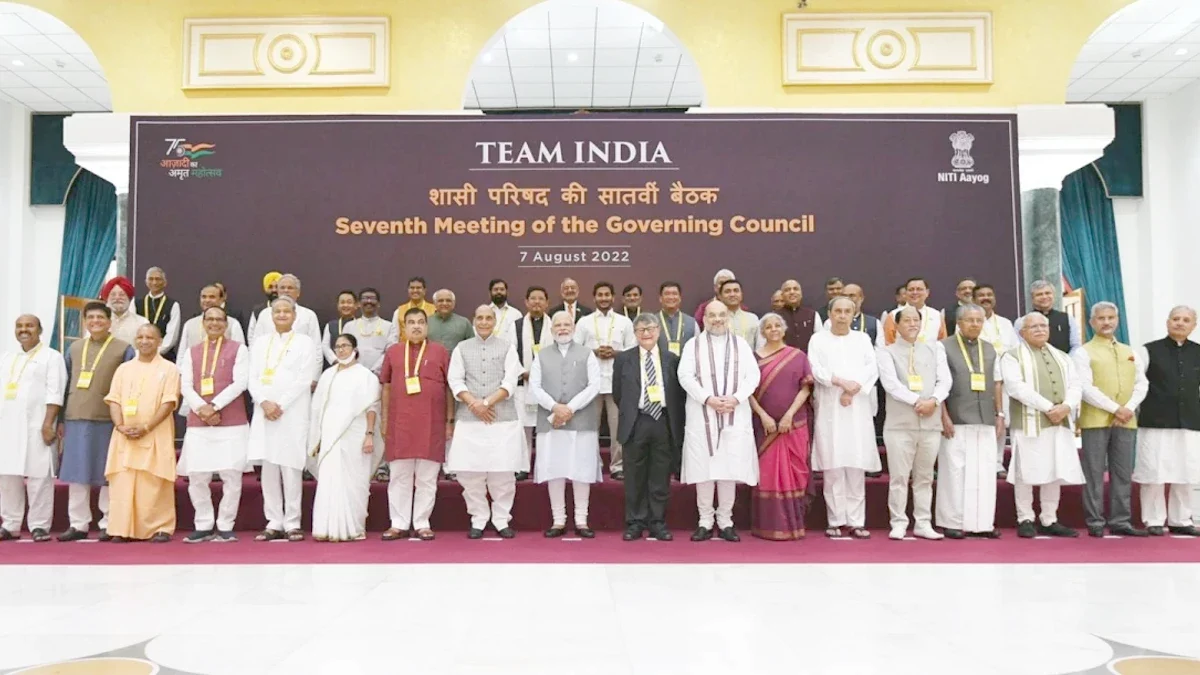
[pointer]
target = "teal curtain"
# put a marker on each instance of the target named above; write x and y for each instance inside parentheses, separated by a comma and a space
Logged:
(89, 240)
(1091, 257)
(1121, 165)
(51, 165)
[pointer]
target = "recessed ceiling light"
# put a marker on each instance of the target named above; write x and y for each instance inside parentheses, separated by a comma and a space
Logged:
(1181, 51)
(487, 58)
(572, 57)
(18, 62)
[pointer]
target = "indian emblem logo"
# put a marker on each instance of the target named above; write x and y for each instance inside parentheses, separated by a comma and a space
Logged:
(962, 141)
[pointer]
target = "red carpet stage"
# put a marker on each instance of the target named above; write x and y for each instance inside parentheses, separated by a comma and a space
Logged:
(608, 548)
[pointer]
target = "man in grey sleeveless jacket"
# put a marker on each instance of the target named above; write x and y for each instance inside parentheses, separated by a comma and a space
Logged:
(564, 380)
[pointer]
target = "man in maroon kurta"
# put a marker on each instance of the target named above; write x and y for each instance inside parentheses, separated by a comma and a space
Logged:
(418, 419)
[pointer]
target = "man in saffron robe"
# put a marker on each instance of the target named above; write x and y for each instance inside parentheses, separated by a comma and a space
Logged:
(141, 456)
(418, 417)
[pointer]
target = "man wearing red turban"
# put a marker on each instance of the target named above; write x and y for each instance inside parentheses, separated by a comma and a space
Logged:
(117, 293)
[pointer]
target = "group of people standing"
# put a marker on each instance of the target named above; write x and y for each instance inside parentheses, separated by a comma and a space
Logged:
(719, 398)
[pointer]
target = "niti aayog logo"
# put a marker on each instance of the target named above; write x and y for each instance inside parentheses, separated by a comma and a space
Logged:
(962, 163)
(183, 159)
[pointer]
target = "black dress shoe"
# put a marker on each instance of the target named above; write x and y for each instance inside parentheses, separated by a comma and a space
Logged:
(730, 534)
(661, 533)
(1057, 529)
(118, 540)
(990, 534)
(160, 538)
(1128, 531)
(5, 535)
(522, 475)
(1026, 530)
(105, 536)
(618, 475)
(632, 534)
(1096, 531)
(874, 474)
(1187, 531)
(954, 534)
(507, 533)
(40, 535)
(474, 533)
(702, 534)
(555, 531)
(1153, 531)
(73, 534)
(585, 532)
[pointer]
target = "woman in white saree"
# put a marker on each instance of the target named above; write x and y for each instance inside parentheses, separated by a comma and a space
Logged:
(344, 415)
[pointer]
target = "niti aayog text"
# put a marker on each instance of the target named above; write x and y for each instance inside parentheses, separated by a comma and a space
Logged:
(491, 225)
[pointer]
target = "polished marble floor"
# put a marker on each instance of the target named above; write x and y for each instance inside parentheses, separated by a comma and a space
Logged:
(660, 619)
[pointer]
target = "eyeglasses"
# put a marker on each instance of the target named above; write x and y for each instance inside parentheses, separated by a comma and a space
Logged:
(343, 346)
(646, 330)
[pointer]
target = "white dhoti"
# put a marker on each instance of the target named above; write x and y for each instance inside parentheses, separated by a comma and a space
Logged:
(1167, 457)
(966, 495)
(1049, 460)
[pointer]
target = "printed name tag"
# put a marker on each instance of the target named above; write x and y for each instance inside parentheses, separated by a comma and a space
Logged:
(130, 409)
(536, 349)
(85, 380)
(412, 385)
(674, 348)
(206, 386)
(654, 392)
(10, 392)
(915, 383)
(268, 376)
(978, 382)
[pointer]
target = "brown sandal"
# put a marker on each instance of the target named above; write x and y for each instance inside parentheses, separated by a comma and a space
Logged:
(295, 535)
(393, 534)
(269, 535)
(425, 535)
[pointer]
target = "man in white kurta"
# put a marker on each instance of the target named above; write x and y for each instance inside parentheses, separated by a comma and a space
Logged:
(283, 366)
(1045, 394)
(564, 381)
(845, 369)
(306, 323)
(719, 373)
(213, 377)
(32, 383)
(1168, 437)
(371, 331)
(193, 329)
(607, 333)
(506, 315)
(488, 447)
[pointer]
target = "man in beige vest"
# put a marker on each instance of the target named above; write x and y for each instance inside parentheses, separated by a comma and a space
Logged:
(917, 380)
(1113, 383)
(1044, 391)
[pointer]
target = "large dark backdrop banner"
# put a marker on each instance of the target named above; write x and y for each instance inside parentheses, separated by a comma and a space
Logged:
(351, 201)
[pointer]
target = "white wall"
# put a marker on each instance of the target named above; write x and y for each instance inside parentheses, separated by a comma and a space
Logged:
(1158, 233)
(30, 237)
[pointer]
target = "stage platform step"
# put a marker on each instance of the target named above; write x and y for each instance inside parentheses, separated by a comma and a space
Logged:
(531, 510)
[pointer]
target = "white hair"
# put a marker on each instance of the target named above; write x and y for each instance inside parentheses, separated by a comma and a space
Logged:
(1040, 284)
(1103, 305)
(1032, 315)
(1182, 308)
(969, 307)
(487, 307)
(284, 299)
(444, 290)
(646, 319)
(156, 269)
(295, 279)
(723, 273)
(564, 314)
(770, 316)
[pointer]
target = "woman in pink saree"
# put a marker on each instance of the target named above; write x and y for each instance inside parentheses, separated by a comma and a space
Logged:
(781, 432)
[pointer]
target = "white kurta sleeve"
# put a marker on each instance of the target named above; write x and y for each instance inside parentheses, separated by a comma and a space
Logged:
(1141, 385)
(687, 373)
(816, 359)
(535, 386)
(254, 384)
(1074, 391)
(1091, 393)
(750, 376)
(235, 332)
(172, 336)
(891, 383)
(869, 374)
(253, 328)
(456, 375)
(1016, 387)
(241, 378)
(187, 382)
(313, 331)
(512, 370)
(627, 340)
(393, 330)
(56, 379)
(1076, 338)
(330, 357)
(941, 387)
(583, 333)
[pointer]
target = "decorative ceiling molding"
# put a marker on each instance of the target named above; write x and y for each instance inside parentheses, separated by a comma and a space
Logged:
(277, 52)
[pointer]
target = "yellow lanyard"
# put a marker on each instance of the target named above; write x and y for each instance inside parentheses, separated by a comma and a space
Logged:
(500, 319)
(364, 322)
(146, 308)
(420, 356)
(12, 380)
(962, 347)
(612, 321)
(271, 347)
(83, 365)
(678, 331)
(216, 355)
(657, 367)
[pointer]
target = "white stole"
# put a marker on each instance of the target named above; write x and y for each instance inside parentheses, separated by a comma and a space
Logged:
(358, 399)
(1031, 422)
